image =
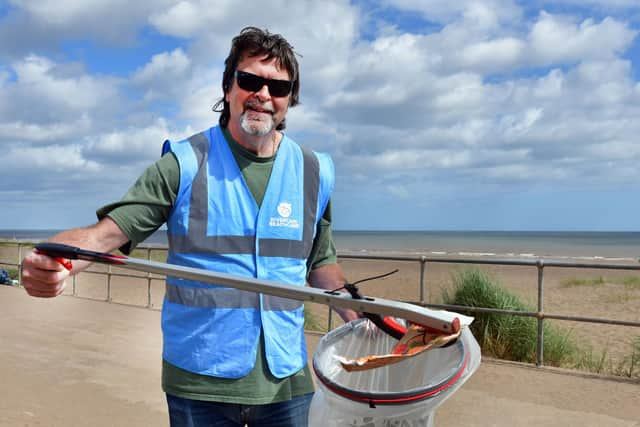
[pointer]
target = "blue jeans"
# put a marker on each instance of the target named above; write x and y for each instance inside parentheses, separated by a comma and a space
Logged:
(199, 413)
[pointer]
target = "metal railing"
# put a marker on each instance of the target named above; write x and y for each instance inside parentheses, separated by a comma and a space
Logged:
(538, 263)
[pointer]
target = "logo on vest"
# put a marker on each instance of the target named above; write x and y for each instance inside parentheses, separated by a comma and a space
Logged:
(284, 211)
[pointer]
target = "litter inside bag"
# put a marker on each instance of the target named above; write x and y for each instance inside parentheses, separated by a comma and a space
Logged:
(416, 340)
(407, 391)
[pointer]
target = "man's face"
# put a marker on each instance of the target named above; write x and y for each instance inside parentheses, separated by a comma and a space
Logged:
(257, 113)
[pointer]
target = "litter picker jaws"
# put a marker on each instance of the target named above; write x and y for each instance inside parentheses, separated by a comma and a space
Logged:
(438, 320)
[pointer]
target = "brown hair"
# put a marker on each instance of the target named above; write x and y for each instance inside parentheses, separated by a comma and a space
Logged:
(251, 42)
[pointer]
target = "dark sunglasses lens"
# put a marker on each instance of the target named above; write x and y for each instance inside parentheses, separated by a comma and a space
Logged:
(253, 83)
(279, 87)
(249, 82)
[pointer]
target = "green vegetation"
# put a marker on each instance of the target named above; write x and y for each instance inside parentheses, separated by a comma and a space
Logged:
(13, 273)
(506, 336)
(598, 281)
(515, 337)
(591, 360)
(631, 281)
(312, 323)
(630, 366)
(628, 281)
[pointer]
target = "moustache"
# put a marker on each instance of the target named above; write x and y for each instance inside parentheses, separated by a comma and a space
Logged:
(266, 107)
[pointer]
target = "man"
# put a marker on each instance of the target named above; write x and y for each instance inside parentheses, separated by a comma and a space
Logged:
(239, 198)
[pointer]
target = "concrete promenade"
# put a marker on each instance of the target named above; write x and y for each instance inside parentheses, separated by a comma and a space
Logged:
(76, 362)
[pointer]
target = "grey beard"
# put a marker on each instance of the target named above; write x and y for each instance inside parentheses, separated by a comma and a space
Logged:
(255, 127)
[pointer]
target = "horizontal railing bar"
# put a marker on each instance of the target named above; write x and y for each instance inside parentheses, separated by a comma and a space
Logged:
(494, 261)
(592, 320)
(116, 302)
(537, 262)
(483, 309)
(551, 262)
(536, 315)
(133, 276)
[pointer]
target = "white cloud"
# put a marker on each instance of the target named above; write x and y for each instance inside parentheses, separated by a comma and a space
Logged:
(164, 66)
(188, 18)
(44, 133)
(482, 14)
(53, 159)
(615, 150)
(515, 126)
(134, 145)
(38, 74)
(44, 91)
(493, 55)
(61, 12)
(605, 4)
(112, 21)
(197, 97)
(559, 39)
(164, 75)
(321, 32)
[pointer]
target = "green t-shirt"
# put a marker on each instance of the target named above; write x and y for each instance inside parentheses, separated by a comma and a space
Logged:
(145, 207)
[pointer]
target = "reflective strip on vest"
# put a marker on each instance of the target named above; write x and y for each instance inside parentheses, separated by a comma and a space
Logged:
(226, 298)
(211, 297)
(274, 303)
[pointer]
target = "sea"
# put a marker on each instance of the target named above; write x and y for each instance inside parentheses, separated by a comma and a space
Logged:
(584, 245)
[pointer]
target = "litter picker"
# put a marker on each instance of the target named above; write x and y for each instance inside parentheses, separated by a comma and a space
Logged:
(436, 320)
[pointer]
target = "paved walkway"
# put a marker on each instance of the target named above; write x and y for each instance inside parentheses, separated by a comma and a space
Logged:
(75, 362)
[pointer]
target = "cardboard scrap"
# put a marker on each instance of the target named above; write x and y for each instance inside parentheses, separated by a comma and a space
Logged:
(417, 340)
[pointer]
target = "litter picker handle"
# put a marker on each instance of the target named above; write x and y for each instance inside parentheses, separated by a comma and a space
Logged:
(59, 250)
(439, 320)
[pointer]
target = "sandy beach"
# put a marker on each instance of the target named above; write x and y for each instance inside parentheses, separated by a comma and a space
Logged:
(77, 362)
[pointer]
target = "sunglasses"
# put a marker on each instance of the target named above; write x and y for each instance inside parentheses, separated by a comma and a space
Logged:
(253, 83)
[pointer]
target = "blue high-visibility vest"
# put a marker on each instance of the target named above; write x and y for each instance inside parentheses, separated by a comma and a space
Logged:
(217, 225)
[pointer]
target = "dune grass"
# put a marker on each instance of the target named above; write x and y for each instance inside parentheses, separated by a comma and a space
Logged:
(627, 281)
(515, 337)
(630, 365)
(576, 281)
(631, 281)
(507, 336)
(312, 322)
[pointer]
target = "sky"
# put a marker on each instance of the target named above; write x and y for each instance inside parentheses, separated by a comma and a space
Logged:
(438, 114)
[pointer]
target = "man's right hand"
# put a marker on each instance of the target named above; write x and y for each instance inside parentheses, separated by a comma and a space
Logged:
(43, 276)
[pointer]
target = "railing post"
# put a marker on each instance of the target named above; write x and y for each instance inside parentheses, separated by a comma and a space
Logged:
(19, 263)
(540, 315)
(148, 280)
(423, 266)
(108, 283)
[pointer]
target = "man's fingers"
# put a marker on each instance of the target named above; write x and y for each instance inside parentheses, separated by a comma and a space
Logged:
(43, 289)
(43, 276)
(46, 292)
(50, 277)
(43, 262)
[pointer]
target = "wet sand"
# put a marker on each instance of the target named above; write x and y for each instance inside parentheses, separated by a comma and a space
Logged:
(78, 362)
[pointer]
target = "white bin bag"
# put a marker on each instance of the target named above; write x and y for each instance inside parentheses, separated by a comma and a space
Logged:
(402, 394)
